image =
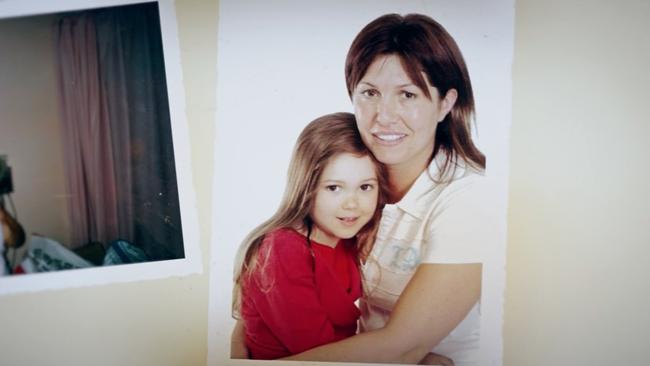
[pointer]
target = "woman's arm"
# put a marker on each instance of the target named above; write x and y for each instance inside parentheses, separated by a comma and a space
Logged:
(434, 302)
(238, 341)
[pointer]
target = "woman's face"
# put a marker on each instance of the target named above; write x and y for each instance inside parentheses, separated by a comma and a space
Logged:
(396, 119)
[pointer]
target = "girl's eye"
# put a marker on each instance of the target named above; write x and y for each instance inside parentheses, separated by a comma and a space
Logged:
(367, 187)
(333, 188)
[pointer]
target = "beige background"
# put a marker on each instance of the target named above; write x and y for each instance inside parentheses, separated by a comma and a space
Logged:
(578, 274)
(578, 283)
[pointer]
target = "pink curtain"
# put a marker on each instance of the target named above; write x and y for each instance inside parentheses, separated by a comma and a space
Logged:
(88, 149)
(117, 131)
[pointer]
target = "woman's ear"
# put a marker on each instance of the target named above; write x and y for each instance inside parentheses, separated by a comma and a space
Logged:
(447, 103)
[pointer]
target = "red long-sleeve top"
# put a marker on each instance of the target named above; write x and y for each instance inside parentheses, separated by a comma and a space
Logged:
(294, 301)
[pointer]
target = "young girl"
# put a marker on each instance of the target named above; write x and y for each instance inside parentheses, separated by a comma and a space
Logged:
(297, 276)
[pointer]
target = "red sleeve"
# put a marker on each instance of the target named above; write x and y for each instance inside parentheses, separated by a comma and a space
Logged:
(284, 293)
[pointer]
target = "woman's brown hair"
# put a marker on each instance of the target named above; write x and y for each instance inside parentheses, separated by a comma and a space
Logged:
(320, 141)
(423, 46)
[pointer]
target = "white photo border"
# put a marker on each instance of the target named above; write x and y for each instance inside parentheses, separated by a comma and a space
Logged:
(95, 276)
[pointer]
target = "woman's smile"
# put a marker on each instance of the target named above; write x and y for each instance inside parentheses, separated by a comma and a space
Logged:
(389, 138)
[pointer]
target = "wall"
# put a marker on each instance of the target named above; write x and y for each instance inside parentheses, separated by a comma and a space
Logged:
(156, 322)
(29, 121)
(578, 283)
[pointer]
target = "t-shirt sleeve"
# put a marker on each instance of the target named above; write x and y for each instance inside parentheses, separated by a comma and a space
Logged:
(284, 292)
(461, 224)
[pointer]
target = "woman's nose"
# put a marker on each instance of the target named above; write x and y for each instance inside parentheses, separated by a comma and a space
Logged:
(386, 111)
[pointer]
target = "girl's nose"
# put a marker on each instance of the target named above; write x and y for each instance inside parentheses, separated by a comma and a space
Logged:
(351, 201)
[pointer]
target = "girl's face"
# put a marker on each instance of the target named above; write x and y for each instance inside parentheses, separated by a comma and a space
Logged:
(396, 119)
(346, 198)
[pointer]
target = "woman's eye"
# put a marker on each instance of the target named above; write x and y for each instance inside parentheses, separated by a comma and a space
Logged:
(367, 187)
(370, 93)
(409, 95)
(333, 188)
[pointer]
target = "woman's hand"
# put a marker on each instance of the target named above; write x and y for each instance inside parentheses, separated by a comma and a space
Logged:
(436, 359)
(435, 301)
(238, 341)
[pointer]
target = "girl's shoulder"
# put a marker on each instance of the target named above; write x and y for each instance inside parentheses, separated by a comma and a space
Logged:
(284, 233)
(283, 252)
(285, 242)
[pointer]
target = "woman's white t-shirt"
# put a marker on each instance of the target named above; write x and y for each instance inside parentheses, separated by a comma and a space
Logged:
(433, 223)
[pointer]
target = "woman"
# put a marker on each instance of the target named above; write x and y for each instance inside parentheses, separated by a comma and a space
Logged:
(414, 105)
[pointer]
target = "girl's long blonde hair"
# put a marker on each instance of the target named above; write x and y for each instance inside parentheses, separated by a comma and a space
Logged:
(320, 141)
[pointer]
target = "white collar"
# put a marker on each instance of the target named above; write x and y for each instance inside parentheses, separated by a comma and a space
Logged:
(412, 203)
